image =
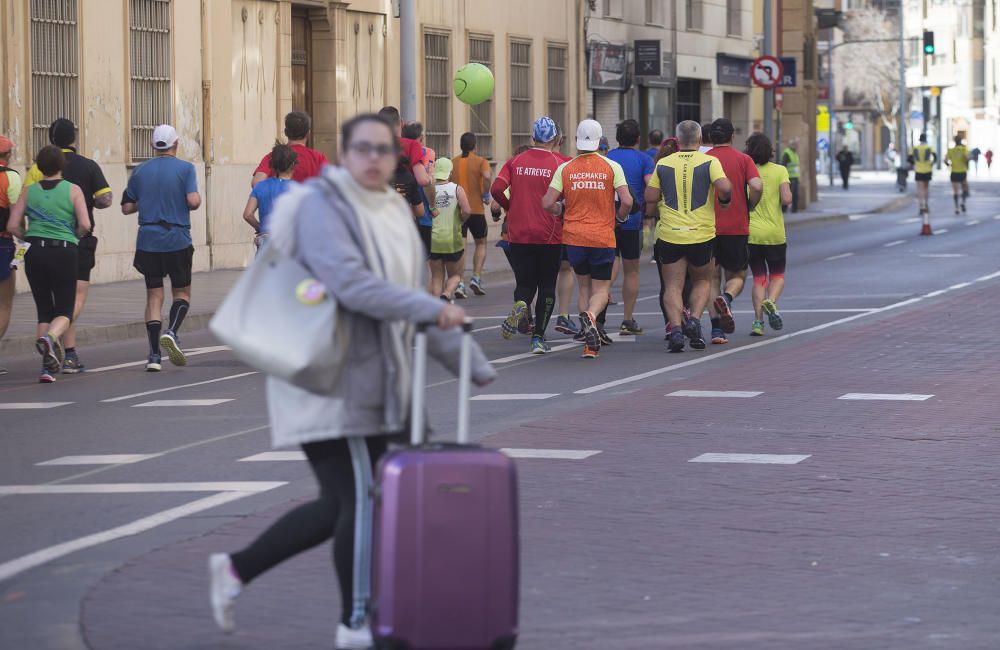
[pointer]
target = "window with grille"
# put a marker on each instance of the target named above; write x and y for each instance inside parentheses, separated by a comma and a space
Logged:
(556, 67)
(734, 17)
(149, 69)
(694, 14)
(520, 93)
(481, 115)
(55, 73)
(437, 92)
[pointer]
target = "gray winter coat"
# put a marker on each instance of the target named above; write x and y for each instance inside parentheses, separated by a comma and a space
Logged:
(365, 401)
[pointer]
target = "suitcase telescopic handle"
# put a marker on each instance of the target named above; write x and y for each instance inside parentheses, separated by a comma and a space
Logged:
(417, 414)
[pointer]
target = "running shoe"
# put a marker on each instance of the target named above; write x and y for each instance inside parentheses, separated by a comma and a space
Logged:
(52, 355)
(170, 343)
(565, 325)
(963, 207)
(446, 299)
(718, 336)
(630, 328)
(666, 329)
(591, 338)
(773, 316)
(153, 364)
(602, 333)
(224, 588)
(757, 329)
(579, 337)
(509, 327)
(460, 291)
(349, 638)
(725, 315)
(476, 284)
(72, 365)
(688, 329)
(675, 340)
(589, 352)
(538, 345)
(611, 300)
(696, 342)
(47, 377)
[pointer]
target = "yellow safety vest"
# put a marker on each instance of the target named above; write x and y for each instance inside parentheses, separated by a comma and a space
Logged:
(793, 162)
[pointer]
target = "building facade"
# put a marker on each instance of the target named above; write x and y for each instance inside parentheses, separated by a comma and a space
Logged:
(225, 72)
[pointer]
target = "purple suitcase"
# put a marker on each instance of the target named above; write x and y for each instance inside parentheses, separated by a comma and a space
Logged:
(445, 561)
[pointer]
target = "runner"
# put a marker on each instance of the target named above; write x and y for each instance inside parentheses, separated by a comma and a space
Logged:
(10, 190)
(767, 235)
(88, 176)
(567, 279)
(790, 159)
(667, 148)
(683, 190)
(923, 158)
(310, 162)
(958, 159)
(732, 227)
(263, 195)
(472, 173)
(588, 185)
(535, 236)
(638, 169)
(405, 184)
(163, 190)
(655, 141)
(409, 148)
(447, 258)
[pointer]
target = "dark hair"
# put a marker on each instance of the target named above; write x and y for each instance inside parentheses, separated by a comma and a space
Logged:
(759, 147)
(297, 125)
(347, 130)
(50, 160)
(923, 137)
(283, 158)
(468, 143)
(655, 138)
(391, 115)
(627, 133)
(62, 132)
(669, 147)
(520, 149)
(722, 131)
(413, 130)
(706, 133)
(958, 140)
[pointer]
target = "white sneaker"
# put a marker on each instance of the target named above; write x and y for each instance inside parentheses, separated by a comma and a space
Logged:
(350, 639)
(225, 587)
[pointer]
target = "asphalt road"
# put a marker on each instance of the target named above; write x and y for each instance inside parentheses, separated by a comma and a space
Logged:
(847, 534)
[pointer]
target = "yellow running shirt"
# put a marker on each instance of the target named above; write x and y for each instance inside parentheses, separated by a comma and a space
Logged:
(767, 223)
(923, 159)
(686, 181)
(959, 159)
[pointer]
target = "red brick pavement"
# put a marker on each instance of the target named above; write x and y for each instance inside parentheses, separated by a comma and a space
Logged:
(886, 537)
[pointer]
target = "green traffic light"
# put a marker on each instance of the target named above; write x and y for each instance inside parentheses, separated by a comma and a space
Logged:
(928, 49)
(849, 125)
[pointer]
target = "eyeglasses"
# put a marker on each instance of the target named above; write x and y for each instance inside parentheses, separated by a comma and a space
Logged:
(363, 148)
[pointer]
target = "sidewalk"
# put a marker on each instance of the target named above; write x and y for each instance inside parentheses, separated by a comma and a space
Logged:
(115, 311)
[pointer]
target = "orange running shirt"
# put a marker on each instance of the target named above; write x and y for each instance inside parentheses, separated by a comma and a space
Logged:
(588, 183)
(468, 174)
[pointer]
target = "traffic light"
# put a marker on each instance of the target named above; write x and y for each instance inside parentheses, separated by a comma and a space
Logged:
(928, 42)
(849, 125)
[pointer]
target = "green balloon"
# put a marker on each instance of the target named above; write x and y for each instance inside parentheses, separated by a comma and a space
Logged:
(473, 83)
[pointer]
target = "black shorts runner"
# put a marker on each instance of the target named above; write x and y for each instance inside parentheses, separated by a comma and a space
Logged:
(156, 266)
(958, 177)
(925, 178)
(447, 257)
(425, 237)
(767, 259)
(86, 251)
(731, 252)
(696, 254)
(629, 243)
(476, 224)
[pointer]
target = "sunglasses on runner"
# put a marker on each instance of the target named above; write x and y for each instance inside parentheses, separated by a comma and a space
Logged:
(363, 148)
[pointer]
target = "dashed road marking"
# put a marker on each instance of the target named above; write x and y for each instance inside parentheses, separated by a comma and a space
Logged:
(194, 352)
(838, 257)
(941, 231)
(504, 397)
(274, 456)
(141, 488)
(910, 220)
(554, 454)
(894, 243)
(16, 406)
(972, 222)
(763, 459)
(715, 393)
(169, 388)
(98, 459)
(943, 255)
(183, 402)
(889, 397)
(528, 355)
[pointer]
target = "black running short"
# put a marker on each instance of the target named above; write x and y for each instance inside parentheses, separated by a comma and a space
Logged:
(767, 259)
(958, 177)
(86, 251)
(156, 266)
(629, 243)
(731, 252)
(476, 224)
(696, 254)
(447, 257)
(425, 237)
(925, 178)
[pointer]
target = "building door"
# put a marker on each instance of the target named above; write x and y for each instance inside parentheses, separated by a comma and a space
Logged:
(688, 100)
(301, 61)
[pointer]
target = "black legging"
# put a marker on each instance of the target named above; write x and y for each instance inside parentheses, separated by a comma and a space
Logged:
(51, 272)
(536, 270)
(311, 524)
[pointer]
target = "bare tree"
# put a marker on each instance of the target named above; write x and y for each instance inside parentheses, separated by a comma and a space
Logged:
(870, 71)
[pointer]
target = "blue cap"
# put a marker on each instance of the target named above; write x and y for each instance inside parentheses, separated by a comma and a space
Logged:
(544, 130)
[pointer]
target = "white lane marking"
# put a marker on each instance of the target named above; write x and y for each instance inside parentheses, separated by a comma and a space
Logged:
(960, 285)
(910, 220)
(45, 555)
(943, 255)
(838, 257)
(194, 352)
(942, 231)
(16, 406)
(486, 329)
(504, 397)
(765, 459)
(714, 393)
(141, 488)
(98, 459)
(973, 222)
(784, 337)
(894, 243)
(888, 397)
(182, 402)
(935, 294)
(996, 218)
(272, 456)
(618, 337)
(556, 454)
(169, 388)
(528, 355)
(858, 217)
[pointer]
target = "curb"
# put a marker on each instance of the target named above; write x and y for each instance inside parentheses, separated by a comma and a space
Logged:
(895, 204)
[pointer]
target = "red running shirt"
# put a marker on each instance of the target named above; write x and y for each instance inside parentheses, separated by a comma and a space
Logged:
(308, 164)
(739, 169)
(528, 176)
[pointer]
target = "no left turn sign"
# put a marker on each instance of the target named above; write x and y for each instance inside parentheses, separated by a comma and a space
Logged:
(766, 72)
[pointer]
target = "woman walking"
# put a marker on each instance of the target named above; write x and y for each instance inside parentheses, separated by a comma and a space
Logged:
(57, 217)
(359, 241)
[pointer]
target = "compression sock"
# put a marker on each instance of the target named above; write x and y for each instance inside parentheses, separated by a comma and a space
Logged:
(153, 334)
(728, 297)
(178, 311)
(716, 323)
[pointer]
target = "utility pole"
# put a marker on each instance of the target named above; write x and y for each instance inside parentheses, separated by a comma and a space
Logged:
(901, 118)
(408, 60)
(829, 105)
(768, 92)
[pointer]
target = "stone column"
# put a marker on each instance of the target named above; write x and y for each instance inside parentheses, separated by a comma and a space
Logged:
(798, 117)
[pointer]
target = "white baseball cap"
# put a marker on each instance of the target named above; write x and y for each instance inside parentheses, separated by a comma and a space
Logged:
(588, 135)
(164, 137)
